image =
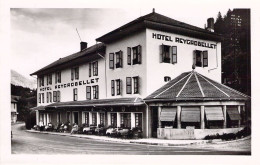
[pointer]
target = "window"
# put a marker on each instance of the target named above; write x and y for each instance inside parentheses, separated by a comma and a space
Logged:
(200, 58)
(136, 84)
(47, 97)
(167, 78)
(138, 120)
(128, 56)
(95, 68)
(137, 55)
(89, 69)
(49, 79)
(174, 54)
(74, 73)
(165, 53)
(88, 92)
(94, 118)
(75, 94)
(113, 119)
(41, 79)
(42, 97)
(128, 85)
(39, 97)
(102, 118)
(111, 60)
(112, 87)
(54, 96)
(95, 92)
(58, 96)
(50, 96)
(58, 77)
(119, 59)
(126, 120)
(118, 87)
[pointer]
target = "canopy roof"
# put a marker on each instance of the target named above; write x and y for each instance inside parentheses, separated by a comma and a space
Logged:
(194, 86)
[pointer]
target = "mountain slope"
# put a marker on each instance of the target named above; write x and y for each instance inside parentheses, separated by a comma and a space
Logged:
(20, 80)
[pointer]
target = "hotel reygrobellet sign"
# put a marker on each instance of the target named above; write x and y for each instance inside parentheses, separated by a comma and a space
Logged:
(183, 41)
(71, 84)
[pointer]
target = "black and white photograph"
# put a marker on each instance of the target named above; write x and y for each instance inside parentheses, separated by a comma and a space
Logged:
(114, 81)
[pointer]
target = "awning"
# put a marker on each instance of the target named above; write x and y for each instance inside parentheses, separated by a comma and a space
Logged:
(190, 114)
(168, 114)
(38, 108)
(233, 113)
(135, 101)
(214, 113)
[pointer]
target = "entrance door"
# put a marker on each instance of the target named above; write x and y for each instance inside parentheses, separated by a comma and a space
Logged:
(154, 121)
(76, 117)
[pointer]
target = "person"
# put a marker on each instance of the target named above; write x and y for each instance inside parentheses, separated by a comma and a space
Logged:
(61, 129)
(74, 128)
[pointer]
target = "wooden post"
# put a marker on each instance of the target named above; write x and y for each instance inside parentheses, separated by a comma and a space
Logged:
(202, 114)
(132, 119)
(118, 119)
(225, 116)
(179, 117)
(90, 118)
(98, 118)
(159, 117)
(239, 111)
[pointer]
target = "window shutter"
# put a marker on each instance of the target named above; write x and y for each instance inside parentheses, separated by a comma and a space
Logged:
(88, 88)
(39, 98)
(194, 57)
(161, 53)
(205, 58)
(50, 96)
(111, 60)
(112, 87)
(128, 85)
(97, 92)
(174, 54)
(72, 74)
(97, 68)
(139, 54)
(121, 58)
(128, 56)
(121, 86)
(89, 71)
(47, 96)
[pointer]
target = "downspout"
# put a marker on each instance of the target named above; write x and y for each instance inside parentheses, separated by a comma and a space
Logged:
(105, 71)
(216, 60)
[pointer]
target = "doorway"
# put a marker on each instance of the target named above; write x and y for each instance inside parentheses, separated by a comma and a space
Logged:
(76, 117)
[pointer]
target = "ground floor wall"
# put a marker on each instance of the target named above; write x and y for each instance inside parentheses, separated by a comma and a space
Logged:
(183, 134)
(114, 116)
(13, 117)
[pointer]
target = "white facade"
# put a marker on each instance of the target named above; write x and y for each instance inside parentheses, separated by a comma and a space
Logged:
(13, 112)
(151, 71)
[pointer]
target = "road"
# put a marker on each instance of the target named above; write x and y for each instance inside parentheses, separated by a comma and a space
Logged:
(33, 143)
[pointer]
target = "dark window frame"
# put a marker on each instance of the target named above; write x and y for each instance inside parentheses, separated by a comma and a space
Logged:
(39, 97)
(58, 77)
(205, 58)
(129, 62)
(49, 79)
(54, 96)
(95, 92)
(119, 59)
(137, 54)
(164, 56)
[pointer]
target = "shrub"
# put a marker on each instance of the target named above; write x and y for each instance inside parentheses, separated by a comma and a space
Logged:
(230, 136)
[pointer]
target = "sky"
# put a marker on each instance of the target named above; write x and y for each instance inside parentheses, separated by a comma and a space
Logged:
(40, 36)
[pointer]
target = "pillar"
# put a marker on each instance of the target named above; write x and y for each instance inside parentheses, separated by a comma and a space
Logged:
(132, 119)
(225, 116)
(98, 118)
(37, 117)
(239, 111)
(108, 118)
(179, 117)
(159, 117)
(202, 114)
(44, 119)
(90, 118)
(118, 119)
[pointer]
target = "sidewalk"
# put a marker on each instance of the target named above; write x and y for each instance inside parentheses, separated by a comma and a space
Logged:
(150, 141)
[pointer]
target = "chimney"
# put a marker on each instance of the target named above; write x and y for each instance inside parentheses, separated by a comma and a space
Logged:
(83, 45)
(210, 26)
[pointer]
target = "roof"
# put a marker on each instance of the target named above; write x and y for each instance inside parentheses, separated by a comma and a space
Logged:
(135, 101)
(159, 22)
(38, 108)
(74, 59)
(194, 86)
